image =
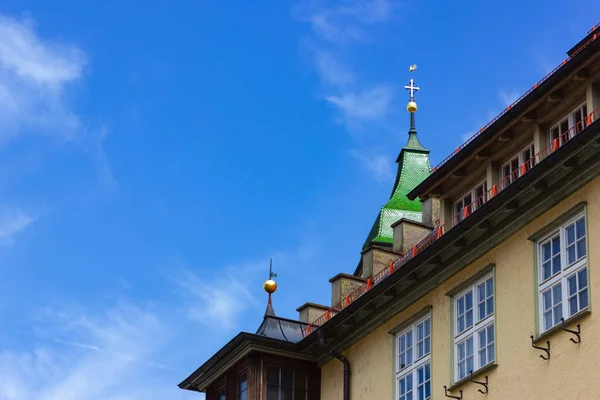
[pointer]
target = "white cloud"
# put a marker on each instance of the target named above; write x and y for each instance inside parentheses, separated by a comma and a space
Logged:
(331, 70)
(362, 106)
(37, 78)
(368, 105)
(12, 222)
(379, 165)
(507, 97)
(34, 75)
(220, 299)
(31, 59)
(115, 363)
(216, 302)
(346, 21)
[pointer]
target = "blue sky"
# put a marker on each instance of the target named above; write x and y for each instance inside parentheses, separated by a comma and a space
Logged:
(154, 155)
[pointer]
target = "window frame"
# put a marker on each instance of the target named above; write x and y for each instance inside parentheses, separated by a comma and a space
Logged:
(241, 394)
(569, 118)
(520, 161)
(472, 205)
(299, 381)
(478, 325)
(412, 369)
(544, 285)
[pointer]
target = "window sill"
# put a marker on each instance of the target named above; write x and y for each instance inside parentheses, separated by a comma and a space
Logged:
(475, 374)
(577, 317)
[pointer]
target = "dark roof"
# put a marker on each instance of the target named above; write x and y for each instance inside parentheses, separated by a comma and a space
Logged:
(231, 353)
(279, 335)
(282, 329)
(578, 55)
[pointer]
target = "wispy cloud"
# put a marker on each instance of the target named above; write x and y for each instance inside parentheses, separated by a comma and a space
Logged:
(12, 222)
(335, 29)
(37, 77)
(217, 302)
(34, 76)
(369, 105)
(331, 70)
(345, 21)
(378, 164)
(116, 363)
(219, 299)
(508, 96)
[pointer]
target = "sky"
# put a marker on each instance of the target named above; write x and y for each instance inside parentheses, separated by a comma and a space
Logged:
(154, 155)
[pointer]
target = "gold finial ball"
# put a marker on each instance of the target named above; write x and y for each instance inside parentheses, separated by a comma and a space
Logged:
(270, 286)
(411, 106)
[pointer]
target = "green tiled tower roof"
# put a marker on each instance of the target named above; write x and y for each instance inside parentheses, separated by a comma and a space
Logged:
(413, 168)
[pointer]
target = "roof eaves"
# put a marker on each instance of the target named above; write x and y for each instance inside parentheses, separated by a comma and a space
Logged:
(518, 107)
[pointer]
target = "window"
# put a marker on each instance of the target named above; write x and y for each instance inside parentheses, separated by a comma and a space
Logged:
(413, 367)
(242, 387)
(576, 119)
(222, 395)
(473, 199)
(286, 384)
(474, 344)
(562, 271)
(510, 171)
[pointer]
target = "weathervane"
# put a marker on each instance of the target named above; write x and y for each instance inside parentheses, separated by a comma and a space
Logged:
(270, 286)
(411, 107)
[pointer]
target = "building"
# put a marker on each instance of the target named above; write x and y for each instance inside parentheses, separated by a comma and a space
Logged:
(477, 280)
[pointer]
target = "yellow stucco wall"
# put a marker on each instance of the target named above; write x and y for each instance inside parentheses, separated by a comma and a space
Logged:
(573, 371)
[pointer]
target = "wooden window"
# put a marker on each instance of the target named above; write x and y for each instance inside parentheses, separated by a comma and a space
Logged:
(474, 336)
(562, 273)
(286, 384)
(413, 361)
(242, 387)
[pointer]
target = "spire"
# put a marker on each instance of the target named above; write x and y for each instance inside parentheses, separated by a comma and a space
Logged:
(270, 286)
(411, 107)
(413, 168)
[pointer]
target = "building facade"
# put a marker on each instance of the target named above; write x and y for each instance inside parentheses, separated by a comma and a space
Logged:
(488, 294)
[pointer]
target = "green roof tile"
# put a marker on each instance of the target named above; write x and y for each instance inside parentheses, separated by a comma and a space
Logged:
(413, 168)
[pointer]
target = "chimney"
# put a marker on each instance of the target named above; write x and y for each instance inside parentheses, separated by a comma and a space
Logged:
(375, 259)
(309, 312)
(407, 233)
(342, 285)
(430, 213)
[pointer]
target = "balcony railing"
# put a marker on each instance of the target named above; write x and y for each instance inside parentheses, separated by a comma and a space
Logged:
(469, 140)
(440, 230)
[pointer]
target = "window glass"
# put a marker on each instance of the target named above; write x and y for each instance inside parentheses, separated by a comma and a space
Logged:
(242, 387)
(474, 334)
(413, 372)
(563, 286)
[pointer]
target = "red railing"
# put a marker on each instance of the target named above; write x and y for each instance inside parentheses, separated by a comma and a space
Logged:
(469, 140)
(440, 230)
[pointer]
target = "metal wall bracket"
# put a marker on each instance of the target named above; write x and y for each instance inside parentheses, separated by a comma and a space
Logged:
(547, 350)
(576, 333)
(484, 384)
(450, 396)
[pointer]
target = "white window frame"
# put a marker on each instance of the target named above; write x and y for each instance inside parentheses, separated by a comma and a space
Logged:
(569, 118)
(520, 161)
(411, 370)
(564, 274)
(474, 197)
(478, 325)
